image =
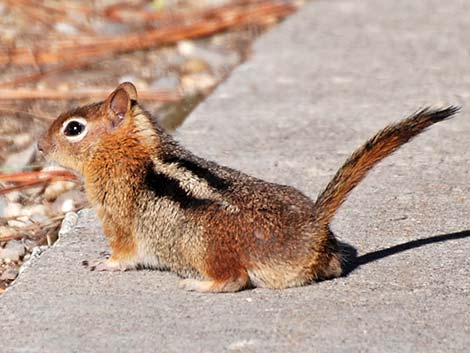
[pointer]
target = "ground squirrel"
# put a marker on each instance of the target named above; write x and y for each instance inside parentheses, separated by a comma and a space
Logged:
(222, 230)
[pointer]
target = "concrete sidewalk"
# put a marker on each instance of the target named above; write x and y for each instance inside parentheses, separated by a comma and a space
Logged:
(316, 87)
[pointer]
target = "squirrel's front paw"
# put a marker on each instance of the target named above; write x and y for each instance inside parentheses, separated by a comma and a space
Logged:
(104, 265)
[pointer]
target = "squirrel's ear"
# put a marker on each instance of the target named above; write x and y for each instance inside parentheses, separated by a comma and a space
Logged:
(120, 100)
(130, 89)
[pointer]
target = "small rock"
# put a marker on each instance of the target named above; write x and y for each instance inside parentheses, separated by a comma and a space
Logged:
(53, 167)
(57, 188)
(38, 250)
(65, 28)
(216, 60)
(9, 35)
(39, 217)
(69, 201)
(30, 244)
(14, 250)
(26, 154)
(166, 59)
(213, 58)
(10, 274)
(194, 66)
(195, 83)
(20, 222)
(110, 28)
(15, 245)
(24, 140)
(12, 209)
(63, 205)
(6, 232)
(68, 223)
(241, 345)
(35, 210)
(231, 59)
(169, 82)
(41, 85)
(33, 191)
(63, 87)
(185, 47)
(13, 196)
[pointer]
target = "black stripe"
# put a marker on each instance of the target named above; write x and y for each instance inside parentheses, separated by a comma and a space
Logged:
(200, 171)
(164, 186)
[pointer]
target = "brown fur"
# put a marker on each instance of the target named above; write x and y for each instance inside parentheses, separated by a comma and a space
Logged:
(223, 230)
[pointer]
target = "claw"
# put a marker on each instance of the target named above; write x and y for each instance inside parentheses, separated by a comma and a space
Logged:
(104, 265)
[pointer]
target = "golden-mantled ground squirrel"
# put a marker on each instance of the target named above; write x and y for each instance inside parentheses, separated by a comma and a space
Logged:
(220, 229)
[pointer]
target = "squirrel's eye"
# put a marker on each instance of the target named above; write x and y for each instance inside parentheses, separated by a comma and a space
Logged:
(74, 128)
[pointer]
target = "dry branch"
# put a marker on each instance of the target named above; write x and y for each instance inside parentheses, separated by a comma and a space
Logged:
(47, 14)
(25, 115)
(45, 73)
(124, 12)
(24, 93)
(31, 179)
(71, 51)
(36, 175)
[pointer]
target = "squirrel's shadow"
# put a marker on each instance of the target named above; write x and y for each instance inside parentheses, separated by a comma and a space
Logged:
(352, 261)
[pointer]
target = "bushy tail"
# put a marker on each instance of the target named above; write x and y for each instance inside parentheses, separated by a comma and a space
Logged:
(373, 151)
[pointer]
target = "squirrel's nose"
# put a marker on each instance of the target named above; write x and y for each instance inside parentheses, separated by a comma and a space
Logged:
(42, 145)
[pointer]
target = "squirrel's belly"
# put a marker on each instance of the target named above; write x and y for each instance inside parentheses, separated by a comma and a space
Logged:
(147, 257)
(166, 238)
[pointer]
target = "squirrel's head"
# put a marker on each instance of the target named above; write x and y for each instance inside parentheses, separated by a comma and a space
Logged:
(72, 137)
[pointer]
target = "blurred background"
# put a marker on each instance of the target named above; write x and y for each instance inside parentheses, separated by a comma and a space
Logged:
(56, 54)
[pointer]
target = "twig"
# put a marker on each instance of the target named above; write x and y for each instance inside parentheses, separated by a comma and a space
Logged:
(54, 223)
(36, 175)
(24, 94)
(47, 14)
(24, 230)
(45, 73)
(21, 114)
(22, 186)
(69, 51)
(124, 12)
(31, 179)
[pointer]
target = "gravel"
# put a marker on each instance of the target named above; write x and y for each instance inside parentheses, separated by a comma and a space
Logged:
(315, 88)
(14, 251)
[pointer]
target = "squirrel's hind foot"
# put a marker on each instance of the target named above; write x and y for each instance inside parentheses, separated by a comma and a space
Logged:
(109, 265)
(210, 286)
